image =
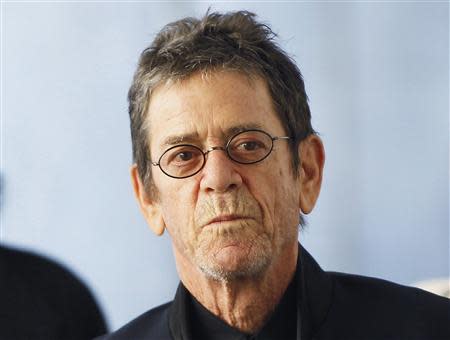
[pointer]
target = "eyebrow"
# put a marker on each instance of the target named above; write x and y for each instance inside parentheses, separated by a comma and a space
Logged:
(192, 138)
(179, 139)
(243, 127)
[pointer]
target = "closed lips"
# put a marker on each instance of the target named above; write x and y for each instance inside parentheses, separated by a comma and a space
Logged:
(226, 218)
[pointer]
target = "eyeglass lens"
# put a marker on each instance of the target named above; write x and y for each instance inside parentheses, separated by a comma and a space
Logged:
(246, 147)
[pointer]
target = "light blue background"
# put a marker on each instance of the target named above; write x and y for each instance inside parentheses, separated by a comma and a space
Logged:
(377, 75)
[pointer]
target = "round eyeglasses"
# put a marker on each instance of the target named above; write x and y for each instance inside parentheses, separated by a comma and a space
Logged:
(246, 147)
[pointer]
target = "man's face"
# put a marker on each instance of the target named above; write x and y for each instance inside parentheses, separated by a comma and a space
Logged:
(229, 220)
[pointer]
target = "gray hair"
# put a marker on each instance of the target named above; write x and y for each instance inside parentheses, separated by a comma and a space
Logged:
(233, 41)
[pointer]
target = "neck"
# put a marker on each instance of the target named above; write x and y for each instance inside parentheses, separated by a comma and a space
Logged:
(244, 303)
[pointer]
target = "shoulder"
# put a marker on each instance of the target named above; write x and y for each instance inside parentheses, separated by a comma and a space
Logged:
(48, 298)
(26, 264)
(389, 308)
(29, 268)
(26, 270)
(380, 292)
(150, 325)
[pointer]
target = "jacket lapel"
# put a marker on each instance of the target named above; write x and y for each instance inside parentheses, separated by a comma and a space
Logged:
(314, 291)
(178, 315)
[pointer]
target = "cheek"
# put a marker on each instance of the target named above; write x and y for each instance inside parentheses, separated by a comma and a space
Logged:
(178, 214)
(278, 200)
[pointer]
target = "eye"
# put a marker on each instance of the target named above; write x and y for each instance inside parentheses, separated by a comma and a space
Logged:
(184, 156)
(249, 146)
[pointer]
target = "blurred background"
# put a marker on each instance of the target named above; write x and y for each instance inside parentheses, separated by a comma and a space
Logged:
(377, 75)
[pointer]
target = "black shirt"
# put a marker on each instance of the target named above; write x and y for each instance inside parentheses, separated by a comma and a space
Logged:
(204, 325)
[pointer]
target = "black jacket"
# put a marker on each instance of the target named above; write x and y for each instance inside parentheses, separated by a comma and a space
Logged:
(332, 306)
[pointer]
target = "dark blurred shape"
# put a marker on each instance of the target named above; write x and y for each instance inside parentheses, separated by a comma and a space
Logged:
(40, 299)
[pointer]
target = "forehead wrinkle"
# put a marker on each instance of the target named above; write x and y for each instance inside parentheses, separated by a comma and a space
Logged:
(193, 137)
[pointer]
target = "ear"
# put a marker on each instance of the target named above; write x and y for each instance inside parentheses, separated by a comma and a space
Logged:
(312, 160)
(150, 208)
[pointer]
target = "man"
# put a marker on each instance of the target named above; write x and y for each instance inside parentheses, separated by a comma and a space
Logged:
(227, 161)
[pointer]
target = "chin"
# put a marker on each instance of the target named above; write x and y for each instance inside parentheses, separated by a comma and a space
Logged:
(233, 262)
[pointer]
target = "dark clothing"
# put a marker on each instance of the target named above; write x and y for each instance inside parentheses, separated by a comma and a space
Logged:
(41, 300)
(330, 306)
(206, 326)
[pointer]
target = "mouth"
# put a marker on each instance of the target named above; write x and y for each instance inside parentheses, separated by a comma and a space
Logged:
(226, 218)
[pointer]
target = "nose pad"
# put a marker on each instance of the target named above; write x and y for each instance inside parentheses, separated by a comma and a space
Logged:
(214, 148)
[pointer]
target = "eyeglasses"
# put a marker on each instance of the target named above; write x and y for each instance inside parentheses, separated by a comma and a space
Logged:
(246, 147)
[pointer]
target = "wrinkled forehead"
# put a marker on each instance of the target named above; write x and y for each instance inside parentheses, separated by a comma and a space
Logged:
(212, 105)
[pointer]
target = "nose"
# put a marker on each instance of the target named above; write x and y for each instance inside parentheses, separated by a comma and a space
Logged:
(219, 173)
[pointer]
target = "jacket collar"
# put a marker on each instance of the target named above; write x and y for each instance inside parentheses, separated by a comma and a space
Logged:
(179, 323)
(314, 294)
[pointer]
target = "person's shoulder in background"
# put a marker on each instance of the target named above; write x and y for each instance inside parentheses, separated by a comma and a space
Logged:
(39, 299)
